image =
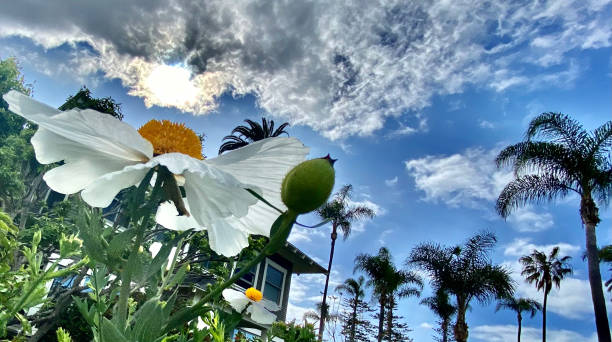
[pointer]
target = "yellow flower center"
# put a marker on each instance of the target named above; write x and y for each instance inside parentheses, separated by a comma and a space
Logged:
(167, 137)
(253, 294)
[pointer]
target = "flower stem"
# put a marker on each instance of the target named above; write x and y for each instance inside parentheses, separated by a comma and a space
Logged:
(278, 235)
(190, 313)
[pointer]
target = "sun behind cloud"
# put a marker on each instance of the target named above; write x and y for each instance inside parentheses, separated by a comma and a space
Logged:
(171, 85)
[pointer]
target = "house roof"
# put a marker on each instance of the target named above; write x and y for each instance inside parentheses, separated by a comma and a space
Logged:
(302, 263)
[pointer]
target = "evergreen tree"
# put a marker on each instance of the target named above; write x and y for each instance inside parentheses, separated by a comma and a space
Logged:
(398, 330)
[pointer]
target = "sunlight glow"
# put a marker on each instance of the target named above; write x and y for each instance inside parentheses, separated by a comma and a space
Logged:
(172, 85)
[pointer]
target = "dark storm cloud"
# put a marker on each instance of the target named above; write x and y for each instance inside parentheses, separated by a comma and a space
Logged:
(340, 67)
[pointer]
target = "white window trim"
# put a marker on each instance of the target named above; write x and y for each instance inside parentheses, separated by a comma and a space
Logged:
(254, 280)
(263, 282)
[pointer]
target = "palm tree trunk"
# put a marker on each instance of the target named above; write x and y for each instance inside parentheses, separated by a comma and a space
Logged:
(445, 323)
(590, 217)
(520, 319)
(461, 328)
(334, 236)
(546, 290)
(390, 319)
(381, 318)
(354, 323)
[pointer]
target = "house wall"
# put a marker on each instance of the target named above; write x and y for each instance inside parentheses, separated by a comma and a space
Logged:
(282, 314)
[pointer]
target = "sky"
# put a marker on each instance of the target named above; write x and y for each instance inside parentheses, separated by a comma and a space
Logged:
(414, 100)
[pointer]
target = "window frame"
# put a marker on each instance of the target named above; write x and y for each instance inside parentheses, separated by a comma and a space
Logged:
(254, 279)
(284, 271)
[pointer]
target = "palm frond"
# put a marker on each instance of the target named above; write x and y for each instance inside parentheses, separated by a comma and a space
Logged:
(530, 188)
(600, 141)
(557, 127)
(541, 157)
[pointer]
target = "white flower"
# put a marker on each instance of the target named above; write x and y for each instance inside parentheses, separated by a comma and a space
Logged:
(258, 309)
(103, 155)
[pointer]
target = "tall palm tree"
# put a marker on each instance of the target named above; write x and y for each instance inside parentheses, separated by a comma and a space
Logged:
(355, 288)
(254, 132)
(569, 160)
(342, 215)
(399, 284)
(519, 305)
(544, 272)
(465, 272)
(441, 306)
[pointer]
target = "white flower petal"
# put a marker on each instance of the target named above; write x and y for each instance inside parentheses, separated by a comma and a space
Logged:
(236, 299)
(262, 165)
(226, 239)
(270, 305)
(93, 130)
(100, 193)
(79, 174)
(25, 106)
(168, 216)
(260, 315)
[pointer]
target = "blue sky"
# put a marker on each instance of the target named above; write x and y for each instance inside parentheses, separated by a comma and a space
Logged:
(414, 100)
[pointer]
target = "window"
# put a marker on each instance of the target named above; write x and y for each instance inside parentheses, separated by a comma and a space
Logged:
(274, 281)
(247, 280)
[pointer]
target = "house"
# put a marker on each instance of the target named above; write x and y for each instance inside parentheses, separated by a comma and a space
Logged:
(273, 278)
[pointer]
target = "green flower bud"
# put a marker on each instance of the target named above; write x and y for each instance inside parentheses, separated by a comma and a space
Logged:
(308, 185)
(36, 238)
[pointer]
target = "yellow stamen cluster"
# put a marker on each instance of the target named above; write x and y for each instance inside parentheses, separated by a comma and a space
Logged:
(253, 294)
(167, 136)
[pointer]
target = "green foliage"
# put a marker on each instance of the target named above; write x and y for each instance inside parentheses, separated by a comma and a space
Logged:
(24, 288)
(63, 335)
(83, 100)
(11, 79)
(291, 332)
(255, 132)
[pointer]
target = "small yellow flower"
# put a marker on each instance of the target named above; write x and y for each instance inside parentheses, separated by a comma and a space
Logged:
(253, 294)
(252, 303)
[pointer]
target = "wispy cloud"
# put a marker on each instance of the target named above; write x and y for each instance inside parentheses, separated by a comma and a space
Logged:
(523, 246)
(391, 182)
(342, 68)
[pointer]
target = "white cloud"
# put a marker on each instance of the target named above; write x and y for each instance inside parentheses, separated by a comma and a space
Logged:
(466, 179)
(572, 300)
(425, 325)
(486, 124)
(391, 182)
(301, 234)
(382, 237)
(296, 312)
(342, 68)
(525, 219)
(471, 179)
(504, 333)
(523, 246)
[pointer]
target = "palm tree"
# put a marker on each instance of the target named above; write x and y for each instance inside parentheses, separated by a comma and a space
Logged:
(398, 285)
(441, 306)
(570, 160)
(341, 214)
(519, 305)
(387, 282)
(465, 272)
(544, 272)
(355, 289)
(255, 132)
